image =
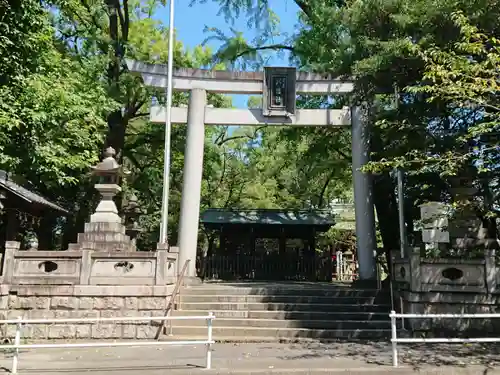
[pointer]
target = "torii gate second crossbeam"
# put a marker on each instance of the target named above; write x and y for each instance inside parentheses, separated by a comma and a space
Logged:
(279, 87)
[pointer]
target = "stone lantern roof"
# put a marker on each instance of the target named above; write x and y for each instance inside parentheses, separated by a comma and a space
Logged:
(108, 165)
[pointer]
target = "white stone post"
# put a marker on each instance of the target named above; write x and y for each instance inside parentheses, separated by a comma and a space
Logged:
(86, 268)
(490, 269)
(363, 197)
(11, 248)
(191, 188)
(415, 275)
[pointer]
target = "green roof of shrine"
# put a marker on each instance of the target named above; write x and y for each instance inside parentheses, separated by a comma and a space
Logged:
(340, 216)
(268, 217)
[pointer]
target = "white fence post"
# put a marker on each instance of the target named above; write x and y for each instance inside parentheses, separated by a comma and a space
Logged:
(394, 339)
(209, 339)
(17, 342)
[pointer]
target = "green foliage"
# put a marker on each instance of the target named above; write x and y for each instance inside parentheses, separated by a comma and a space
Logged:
(466, 78)
(25, 35)
(51, 113)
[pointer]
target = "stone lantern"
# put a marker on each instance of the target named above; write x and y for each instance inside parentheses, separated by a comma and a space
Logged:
(105, 231)
(109, 172)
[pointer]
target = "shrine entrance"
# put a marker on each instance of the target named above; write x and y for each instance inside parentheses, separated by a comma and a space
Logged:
(279, 87)
(265, 245)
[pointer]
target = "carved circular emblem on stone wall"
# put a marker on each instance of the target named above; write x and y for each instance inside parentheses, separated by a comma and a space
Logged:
(47, 266)
(402, 272)
(452, 273)
(124, 266)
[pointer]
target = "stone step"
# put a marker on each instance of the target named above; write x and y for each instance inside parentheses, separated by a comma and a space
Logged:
(287, 323)
(283, 291)
(298, 315)
(239, 333)
(288, 299)
(260, 306)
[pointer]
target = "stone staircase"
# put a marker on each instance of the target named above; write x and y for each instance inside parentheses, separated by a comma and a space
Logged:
(260, 312)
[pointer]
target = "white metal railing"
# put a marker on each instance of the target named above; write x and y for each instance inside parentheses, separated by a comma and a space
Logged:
(20, 322)
(394, 333)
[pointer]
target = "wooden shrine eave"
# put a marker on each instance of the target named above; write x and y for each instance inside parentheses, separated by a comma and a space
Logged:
(25, 199)
(218, 218)
(223, 81)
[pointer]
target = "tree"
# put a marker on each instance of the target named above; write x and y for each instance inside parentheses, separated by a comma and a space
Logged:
(51, 112)
(51, 107)
(111, 31)
(465, 77)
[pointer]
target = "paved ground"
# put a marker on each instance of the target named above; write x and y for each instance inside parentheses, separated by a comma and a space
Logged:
(308, 358)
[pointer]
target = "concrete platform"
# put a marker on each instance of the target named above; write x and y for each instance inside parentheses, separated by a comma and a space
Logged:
(312, 358)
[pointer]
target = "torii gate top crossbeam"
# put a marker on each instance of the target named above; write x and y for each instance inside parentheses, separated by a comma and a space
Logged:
(223, 81)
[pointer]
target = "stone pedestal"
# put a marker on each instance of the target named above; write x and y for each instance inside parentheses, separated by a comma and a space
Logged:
(105, 231)
(103, 237)
(106, 211)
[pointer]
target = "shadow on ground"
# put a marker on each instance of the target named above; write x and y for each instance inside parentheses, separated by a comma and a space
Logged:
(415, 355)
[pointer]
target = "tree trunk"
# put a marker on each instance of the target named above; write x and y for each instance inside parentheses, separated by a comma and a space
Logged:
(76, 224)
(387, 214)
(115, 138)
(45, 232)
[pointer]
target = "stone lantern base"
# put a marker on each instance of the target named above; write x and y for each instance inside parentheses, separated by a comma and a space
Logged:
(103, 237)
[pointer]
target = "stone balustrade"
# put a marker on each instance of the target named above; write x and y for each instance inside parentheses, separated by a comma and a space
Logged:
(448, 286)
(447, 275)
(89, 267)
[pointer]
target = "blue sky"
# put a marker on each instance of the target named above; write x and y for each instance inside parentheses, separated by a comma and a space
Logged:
(191, 21)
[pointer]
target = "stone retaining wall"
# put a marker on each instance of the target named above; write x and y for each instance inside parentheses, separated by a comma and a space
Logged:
(452, 303)
(84, 301)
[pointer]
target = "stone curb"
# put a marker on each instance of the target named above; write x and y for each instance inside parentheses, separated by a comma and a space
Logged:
(352, 371)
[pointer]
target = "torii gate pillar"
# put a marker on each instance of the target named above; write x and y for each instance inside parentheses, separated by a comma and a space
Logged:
(366, 243)
(191, 183)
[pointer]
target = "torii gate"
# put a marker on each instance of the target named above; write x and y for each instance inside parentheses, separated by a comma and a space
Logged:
(278, 87)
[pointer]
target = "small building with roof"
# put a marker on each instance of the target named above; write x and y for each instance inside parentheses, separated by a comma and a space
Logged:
(16, 200)
(266, 244)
